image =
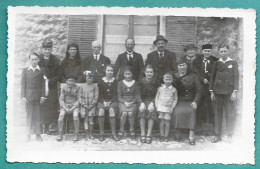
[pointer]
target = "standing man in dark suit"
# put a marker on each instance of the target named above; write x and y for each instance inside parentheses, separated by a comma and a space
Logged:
(49, 109)
(202, 66)
(162, 60)
(223, 88)
(96, 63)
(191, 55)
(129, 58)
(32, 92)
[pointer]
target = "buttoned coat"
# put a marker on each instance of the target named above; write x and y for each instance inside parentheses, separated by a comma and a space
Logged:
(225, 77)
(32, 84)
(136, 63)
(96, 67)
(161, 66)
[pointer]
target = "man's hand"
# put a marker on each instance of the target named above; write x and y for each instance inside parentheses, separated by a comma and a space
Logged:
(194, 105)
(233, 96)
(205, 81)
(25, 100)
(42, 100)
(212, 96)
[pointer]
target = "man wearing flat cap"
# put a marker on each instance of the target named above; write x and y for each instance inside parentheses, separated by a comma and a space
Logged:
(203, 68)
(191, 55)
(49, 109)
(162, 60)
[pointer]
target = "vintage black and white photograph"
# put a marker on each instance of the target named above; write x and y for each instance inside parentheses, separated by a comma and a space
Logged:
(130, 85)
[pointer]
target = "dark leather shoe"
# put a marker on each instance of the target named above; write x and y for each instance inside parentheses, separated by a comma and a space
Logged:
(161, 139)
(142, 139)
(178, 139)
(114, 137)
(166, 139)
(60, 137)
(192, 142)
(216, 139)
(132, 133)
(101, 138)
(148, 140)
(38, 137)
(76, 137)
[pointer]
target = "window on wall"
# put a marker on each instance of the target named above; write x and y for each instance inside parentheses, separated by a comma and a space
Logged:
(117, 28)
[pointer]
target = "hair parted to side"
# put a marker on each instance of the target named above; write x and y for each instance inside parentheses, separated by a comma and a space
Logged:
(109, 65)
(35, 54)
(169, 74)
(149, 67)
(223, 45)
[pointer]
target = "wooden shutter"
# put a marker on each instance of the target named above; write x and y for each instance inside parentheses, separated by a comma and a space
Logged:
(82, 30)
(180, 31)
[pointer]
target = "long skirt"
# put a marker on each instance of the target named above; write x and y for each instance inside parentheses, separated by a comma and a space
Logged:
(184, 116)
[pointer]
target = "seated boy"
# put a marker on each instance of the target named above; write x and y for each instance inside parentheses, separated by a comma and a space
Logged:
(32, 92)
(69, 103)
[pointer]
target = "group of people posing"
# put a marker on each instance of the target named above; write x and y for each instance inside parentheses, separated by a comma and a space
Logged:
(175, 91)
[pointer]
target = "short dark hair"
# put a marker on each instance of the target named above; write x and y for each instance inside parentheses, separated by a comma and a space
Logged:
(168, 74)
(128, 68)
(223, 45)
(149, 67)
(35, 54)
(109, 65)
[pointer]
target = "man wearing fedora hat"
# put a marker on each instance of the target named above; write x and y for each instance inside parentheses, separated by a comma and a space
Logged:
(190, 50)
(162, 60)
(203, 68)
(49, 109)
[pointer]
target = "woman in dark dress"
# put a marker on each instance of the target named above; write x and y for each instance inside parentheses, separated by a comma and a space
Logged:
(147, 112)
(128, 91)
(49, 109)
(71, 65)
(108, 102)
(188, 87)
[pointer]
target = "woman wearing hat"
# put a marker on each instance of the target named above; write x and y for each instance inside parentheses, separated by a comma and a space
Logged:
(191, 55)
(188, 87)
(162, 60)
(71, 65)
(49, 109)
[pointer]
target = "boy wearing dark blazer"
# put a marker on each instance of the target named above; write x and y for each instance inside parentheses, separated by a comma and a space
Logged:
(223, 88)
(32, 92)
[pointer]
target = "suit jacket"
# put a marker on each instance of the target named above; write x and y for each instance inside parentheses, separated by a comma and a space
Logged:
(51, 69)
(32, 84)
(136, 63)
(224, 79)
(161, 66)
(199, 67)
(96, 67)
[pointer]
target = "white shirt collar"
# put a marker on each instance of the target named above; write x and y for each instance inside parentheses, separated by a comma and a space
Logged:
(98, 56)
(108, 81)
(169, 87)
(32, 68)
(128, 84)
(129, 53)
(228, 59)
(160, 52)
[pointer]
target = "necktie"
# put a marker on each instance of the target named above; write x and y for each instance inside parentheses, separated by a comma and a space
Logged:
(161, 55)
(205, 65)
(130, 57)
(96, 57)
